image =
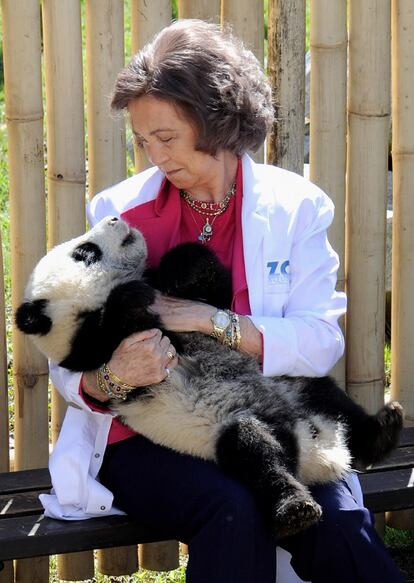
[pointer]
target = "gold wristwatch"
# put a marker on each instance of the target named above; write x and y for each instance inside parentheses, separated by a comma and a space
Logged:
(221, 321)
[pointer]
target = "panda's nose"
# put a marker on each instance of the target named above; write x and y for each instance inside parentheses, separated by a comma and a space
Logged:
(113, 220)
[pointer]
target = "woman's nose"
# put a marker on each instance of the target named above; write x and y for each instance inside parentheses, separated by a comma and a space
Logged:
(156, 154)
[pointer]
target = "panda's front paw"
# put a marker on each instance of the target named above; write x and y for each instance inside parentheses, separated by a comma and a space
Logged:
(295, 514)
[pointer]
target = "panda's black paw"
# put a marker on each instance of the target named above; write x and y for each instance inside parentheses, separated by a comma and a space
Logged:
(295, 514)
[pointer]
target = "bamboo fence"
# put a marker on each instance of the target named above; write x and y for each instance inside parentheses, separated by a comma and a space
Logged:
(357, 150)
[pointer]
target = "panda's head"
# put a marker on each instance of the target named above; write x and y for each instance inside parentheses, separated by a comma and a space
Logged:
(75, 279)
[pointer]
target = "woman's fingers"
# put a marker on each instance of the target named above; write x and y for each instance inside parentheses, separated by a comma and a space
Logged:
(142, 359)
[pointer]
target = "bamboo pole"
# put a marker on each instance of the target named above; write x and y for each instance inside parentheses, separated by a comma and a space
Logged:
(148, 18)
(105, 58)
(286, 69)
(162, 556)
(65, 132)
(7, 574)
(402, 371)
(66, 175)
(106, 144)
(402, 347)
(202, 9)
(4, 400)
(24, 116)
(328, 46)
(118, 561)
(368, 122)
(249, 30)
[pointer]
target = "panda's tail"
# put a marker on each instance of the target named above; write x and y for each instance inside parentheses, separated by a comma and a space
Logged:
(378, 435)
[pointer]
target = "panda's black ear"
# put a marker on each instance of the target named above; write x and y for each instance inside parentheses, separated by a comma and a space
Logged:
(30, 317)
(87, 252)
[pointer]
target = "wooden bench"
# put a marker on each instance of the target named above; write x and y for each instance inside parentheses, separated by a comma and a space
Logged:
(24, 532)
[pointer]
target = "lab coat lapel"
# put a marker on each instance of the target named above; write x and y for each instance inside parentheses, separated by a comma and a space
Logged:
(254, 224)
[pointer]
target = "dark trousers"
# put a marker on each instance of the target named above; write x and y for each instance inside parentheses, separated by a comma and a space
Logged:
(191, 500)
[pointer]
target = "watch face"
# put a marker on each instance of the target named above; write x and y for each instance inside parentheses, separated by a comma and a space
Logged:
(221, 319)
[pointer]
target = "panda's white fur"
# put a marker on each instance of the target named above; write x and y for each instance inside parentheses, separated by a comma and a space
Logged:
(190, 421)
(216, 402)
(72, 287)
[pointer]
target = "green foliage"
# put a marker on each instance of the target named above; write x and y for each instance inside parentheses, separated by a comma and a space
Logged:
(396, 538)
(307, 24)
(387, 366)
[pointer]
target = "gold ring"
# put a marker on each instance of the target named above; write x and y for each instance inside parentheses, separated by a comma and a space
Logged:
(170, 355)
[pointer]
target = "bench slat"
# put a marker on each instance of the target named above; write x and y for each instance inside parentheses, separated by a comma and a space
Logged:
(21, 504)
(403, 457)
(24, 481)
(390, 490)
(30, 536)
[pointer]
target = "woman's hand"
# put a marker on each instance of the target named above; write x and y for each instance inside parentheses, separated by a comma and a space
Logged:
(189, 316)
(181, 315)
(141, 359)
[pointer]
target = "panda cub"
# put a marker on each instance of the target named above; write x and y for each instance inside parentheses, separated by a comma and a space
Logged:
(276, 435)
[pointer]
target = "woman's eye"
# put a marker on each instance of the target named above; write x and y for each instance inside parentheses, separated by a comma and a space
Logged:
(165, 140)
(139, 142)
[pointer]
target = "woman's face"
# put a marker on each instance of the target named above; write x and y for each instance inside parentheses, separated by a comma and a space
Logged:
(169, 140)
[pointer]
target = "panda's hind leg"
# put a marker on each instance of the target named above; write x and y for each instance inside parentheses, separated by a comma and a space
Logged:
(247, 450)
(370, 437)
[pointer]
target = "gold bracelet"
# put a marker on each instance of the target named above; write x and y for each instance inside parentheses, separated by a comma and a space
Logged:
(232, 336)
(112, 385)
(237, 333)
(228, 337)
(114, 378)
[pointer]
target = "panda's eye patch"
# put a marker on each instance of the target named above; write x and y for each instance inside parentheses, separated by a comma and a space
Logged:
(129, 239)
(89, 253)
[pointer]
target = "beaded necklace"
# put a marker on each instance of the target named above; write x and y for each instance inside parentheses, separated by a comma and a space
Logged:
(209, 210)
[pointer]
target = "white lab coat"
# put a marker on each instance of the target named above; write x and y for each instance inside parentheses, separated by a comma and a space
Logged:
(291, 276)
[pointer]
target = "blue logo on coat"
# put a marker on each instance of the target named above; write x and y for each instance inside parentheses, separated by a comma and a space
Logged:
(278, 272)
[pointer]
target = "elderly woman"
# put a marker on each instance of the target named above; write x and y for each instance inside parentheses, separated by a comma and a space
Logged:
(198, 102)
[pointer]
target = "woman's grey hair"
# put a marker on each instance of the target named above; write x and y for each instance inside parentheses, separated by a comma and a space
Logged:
(211, 76)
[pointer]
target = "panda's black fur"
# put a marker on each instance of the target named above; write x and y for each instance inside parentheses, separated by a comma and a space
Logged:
(276, 435)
